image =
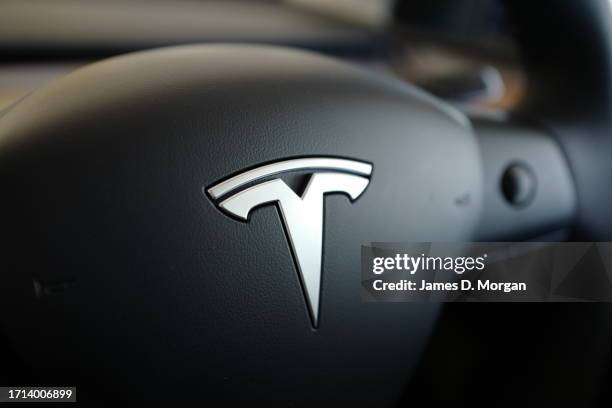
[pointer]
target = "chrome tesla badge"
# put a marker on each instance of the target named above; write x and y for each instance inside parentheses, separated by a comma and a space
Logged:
(301, 215)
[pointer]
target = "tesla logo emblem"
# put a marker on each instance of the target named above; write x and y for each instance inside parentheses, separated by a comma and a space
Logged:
(302, 214)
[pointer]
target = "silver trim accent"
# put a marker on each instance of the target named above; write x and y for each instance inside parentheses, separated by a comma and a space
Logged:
(319, 163)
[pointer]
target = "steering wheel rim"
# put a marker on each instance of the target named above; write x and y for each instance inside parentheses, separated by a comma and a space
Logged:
(568, 65)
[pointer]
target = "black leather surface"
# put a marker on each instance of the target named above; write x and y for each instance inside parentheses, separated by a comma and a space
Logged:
(102, 176)
(570, 92)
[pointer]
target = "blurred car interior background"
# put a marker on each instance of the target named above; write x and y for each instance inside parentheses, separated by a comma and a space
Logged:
(462, 51)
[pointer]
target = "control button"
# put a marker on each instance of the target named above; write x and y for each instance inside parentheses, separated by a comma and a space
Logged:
(518, 185)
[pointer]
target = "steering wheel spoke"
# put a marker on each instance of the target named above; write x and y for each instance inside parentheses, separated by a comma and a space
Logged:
(528, 186)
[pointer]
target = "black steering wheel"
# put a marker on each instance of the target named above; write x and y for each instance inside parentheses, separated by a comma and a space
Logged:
(185, 223)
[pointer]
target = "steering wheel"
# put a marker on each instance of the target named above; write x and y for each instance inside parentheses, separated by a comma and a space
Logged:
(186, 223)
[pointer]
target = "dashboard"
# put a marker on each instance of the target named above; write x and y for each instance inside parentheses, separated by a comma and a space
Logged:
(437, 47)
